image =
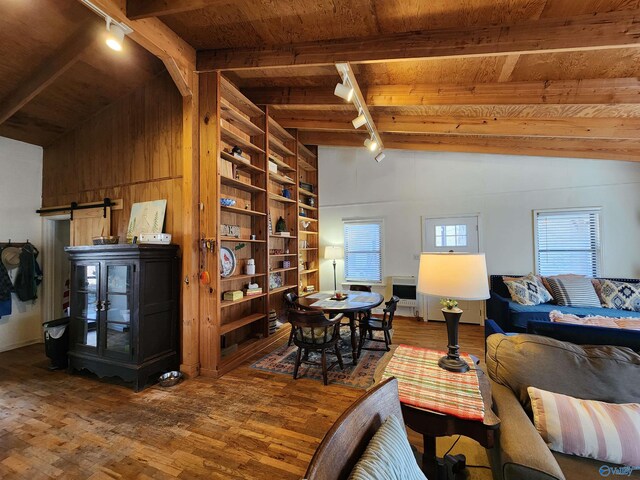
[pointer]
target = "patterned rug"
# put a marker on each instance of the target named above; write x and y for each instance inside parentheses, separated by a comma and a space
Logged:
(283, 359)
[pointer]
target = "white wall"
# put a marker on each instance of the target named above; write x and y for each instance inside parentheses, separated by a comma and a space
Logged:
(20, 196)
(503, 189)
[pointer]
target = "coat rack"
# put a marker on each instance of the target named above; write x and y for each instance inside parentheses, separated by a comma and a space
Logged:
(14, 244)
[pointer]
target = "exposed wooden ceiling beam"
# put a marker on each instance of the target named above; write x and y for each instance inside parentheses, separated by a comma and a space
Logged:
(494, 126)
(584, 32)
(178, 56)
(46, 73)
(627, 150)
(137, 9)
(592, 91)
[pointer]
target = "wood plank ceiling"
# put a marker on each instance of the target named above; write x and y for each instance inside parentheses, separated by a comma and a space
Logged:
(538, 77)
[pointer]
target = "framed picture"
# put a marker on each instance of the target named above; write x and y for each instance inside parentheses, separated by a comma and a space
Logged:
(230, 230)
(275, 280)
(146, 217)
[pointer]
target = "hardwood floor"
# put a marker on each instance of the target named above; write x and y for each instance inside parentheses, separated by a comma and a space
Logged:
(247, 424)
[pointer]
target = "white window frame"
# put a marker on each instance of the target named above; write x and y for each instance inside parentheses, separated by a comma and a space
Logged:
(380, 221)
(599, 256)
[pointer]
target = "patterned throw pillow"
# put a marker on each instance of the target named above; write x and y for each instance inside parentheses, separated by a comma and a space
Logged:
(607, 432)
(527, 290)
(573, 291)
(620, 295)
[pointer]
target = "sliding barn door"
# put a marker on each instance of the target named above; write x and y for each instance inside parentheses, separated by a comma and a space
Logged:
(90, 223)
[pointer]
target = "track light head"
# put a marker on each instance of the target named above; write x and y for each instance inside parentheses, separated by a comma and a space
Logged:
(344, 91)
(115, 35)
(371, 144)
(359, 121)
(380, 157)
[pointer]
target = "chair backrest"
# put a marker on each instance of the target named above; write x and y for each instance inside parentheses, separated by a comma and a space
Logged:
(360, 288)
(290, 300)
(346, 441)
(390, 310)
(312, 327)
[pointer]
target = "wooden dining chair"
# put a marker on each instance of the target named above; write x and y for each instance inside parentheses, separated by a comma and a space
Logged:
(291, 303)
(360, 288)
(313, 332)
(384, 324)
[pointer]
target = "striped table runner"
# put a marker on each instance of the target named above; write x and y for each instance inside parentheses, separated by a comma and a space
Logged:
(422, 383)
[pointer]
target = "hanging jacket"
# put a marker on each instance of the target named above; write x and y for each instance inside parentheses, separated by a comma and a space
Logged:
(29, 274)
(6, 287)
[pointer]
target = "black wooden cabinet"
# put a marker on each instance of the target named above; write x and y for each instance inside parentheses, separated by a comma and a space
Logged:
(124, 311)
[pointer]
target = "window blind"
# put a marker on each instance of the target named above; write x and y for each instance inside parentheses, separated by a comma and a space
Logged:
(363, 251)
(568, 242)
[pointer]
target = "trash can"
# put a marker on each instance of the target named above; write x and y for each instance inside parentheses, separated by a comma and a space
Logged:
(56, 342)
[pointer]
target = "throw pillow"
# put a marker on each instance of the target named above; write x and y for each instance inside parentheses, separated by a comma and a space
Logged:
(388, 456)
(621, 295)
(603, 431)
(628, 323)
(527, 290)
(573, 291)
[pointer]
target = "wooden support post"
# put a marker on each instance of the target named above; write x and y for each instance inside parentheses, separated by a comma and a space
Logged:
(190, 364)
(209, 116)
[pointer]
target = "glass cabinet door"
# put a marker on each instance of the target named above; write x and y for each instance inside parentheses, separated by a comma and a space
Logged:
(118, 309)
(87, 305)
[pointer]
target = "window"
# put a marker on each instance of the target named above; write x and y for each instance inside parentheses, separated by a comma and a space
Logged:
(568, 242)
(451, 235)
(363, 251)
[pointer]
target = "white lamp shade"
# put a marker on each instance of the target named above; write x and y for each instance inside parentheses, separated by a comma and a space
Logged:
(460, 276)
(333, 252)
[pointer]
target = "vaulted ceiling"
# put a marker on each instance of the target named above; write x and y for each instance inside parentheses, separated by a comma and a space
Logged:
(539, 77)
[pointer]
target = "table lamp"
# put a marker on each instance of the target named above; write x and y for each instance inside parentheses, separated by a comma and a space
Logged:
(333, 252)
(453, 276)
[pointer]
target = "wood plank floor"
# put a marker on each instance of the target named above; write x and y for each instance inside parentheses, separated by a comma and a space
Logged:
(245, 425)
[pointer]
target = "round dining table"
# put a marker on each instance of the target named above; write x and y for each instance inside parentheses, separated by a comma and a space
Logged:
(354, 302)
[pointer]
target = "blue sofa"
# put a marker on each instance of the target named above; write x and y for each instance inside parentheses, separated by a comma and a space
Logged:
(577, 334)
(513, 317)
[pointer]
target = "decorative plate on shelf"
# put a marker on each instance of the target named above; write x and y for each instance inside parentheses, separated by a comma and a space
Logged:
(227, 262)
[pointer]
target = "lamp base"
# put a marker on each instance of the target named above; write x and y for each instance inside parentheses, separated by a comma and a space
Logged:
(453, 364)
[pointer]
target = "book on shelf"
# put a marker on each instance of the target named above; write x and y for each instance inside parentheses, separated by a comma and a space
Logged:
(232, 295)
(282, 234)
(227, 169)
(252, 291)
(273, 167)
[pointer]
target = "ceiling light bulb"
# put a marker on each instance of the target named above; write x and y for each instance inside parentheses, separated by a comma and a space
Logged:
(359, 121)
(343, 91)
(115, 36)
(371, 144)
(380, 157)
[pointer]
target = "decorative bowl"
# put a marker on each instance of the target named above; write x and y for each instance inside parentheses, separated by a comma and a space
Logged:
(227, 202)
(170, 379)
(107, 240)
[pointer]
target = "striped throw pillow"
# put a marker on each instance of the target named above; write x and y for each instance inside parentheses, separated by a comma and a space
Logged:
(607, 432)
(573, 291)
(388, 455)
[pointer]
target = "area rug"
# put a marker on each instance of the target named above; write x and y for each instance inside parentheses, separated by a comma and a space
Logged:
(283, 359)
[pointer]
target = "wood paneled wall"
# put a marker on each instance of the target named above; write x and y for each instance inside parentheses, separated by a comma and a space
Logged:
(129, 150)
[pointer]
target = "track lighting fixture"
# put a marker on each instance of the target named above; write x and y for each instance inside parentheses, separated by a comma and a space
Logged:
(115, 35)
(359, 121)
(380, 157)
(371, 144)
(344, 91)
(116, 31)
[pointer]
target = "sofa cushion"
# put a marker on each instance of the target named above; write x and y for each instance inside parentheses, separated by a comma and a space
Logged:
(587, 428)
(580, 468)
(522, 314)
(620, 295)
(605, 373)
(527, 290)
(388, 455)
(573, 291)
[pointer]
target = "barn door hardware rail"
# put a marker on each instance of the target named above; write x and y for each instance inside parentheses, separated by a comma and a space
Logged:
(106, 203)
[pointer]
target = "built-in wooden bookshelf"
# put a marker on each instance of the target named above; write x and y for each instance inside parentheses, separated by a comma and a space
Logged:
(308, 273)
(232, 330)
